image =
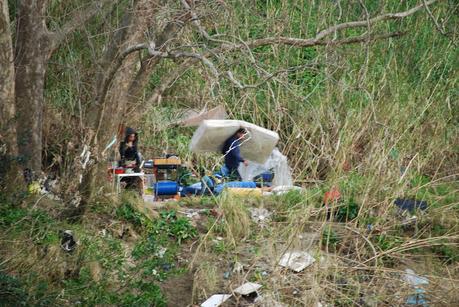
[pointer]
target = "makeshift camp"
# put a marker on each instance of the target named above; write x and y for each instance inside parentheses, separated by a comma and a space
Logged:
(212, 134)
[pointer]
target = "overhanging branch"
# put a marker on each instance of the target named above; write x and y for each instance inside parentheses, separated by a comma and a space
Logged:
(77, 19)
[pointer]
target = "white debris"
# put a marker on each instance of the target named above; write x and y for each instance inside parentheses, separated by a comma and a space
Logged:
(247, 288)
(160, 253)
(238, 267)
(216, 300)
(414, 279)
(282, 189)
(260, 215)
(296, 261)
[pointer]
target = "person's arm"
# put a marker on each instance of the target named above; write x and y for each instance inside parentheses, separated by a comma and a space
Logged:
(137, 158)
(237, 153)
(122, 153)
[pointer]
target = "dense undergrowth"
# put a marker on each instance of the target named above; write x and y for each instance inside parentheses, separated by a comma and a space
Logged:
(120, 258)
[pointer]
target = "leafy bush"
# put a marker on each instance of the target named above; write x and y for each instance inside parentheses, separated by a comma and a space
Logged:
(347, 212)
(12, 292)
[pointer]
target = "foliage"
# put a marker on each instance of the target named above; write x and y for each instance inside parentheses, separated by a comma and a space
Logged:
(12, 292)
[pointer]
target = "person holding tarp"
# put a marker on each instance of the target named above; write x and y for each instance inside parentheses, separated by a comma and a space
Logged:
(232, 154)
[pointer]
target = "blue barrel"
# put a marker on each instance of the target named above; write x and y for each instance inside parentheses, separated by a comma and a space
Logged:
(166, 188)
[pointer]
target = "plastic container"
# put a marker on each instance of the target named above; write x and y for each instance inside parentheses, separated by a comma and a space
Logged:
(119, 170)
(166, 188)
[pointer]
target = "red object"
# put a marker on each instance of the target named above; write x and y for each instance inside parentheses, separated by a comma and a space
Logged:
(119, 170)
(332, 196)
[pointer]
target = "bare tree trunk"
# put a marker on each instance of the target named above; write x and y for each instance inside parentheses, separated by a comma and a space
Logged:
(8, 145)
(32, 53)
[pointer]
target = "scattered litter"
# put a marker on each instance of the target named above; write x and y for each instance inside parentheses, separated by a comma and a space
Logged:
(409, 220)
(238, 267)
(192, 213)
(418, 297)
(260, 215)
(413, 279)
(247, 288)
(216, 300)
(296, 261)
(331, 196)
(68, 242)
(410, 204)
(103, 233)
(282, 189)
(226, 275)
(160, 253)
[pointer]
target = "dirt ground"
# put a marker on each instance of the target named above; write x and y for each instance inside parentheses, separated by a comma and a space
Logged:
(178, 290)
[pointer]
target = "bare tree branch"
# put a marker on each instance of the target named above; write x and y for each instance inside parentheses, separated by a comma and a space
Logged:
(78, 18)
(317, 40)
(197, 23)
(437, 25)
(371, 21)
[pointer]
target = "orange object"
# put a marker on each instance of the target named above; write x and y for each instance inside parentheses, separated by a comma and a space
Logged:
(332, 196)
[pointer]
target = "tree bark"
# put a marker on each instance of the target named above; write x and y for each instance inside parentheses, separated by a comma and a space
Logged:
(31, 56)
(8, 144)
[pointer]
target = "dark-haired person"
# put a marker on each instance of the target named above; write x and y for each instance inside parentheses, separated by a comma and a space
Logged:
(129, 153)
(232, 154)
(130, 158)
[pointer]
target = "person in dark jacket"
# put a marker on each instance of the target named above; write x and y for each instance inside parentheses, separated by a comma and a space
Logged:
(128, 150)
(232, 153)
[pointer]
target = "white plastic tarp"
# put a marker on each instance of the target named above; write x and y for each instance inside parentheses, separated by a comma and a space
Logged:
(276, 162)
(212, 134)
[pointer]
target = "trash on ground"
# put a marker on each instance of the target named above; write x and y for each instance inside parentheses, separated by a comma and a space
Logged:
(238, 267)
(247, 288)
(193, 213)
(216, 300)
(409, 220)
(282, 189)
(68, 242)
(413, 279)
(260, 216)
(331, 196)
(161, 252)
(296, 261)
(410, 205)
(418, 297)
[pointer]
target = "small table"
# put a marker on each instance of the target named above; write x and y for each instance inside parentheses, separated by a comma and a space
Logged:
(118, 178)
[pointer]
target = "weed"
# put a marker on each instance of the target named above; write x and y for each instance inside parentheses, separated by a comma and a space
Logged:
(347, 212)
(12, 292)
(236, 218)
(330, 237)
